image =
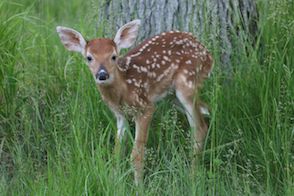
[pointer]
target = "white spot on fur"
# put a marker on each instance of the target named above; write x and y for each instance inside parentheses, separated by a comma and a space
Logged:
(151, 74)
(189, 84)
(188, 62)
(204, 111)
(137, 68)
(166, 58)
(179, 42)
(128, 60)
(143, 69)
(136, 54)
(165, 73)
(191, 73)
(174, 66)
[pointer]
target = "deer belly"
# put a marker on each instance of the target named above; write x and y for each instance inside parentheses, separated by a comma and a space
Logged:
(159, 96)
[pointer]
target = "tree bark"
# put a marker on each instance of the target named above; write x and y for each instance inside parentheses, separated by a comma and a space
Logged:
(210, 20)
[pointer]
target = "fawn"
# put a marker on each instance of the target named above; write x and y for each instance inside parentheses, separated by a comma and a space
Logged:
(131, 85)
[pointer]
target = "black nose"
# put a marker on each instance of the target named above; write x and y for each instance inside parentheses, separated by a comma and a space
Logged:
(102, 75)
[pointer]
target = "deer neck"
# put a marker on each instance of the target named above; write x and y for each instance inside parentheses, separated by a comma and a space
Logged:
(114, 93)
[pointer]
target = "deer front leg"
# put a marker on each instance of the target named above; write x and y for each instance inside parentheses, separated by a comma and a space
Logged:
(142, 124)
(121, 123)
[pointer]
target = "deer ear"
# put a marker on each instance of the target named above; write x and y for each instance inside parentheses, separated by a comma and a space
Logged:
(71, 39)
(127, 34)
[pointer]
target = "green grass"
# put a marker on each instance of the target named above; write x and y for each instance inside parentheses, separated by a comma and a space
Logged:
(57, 136)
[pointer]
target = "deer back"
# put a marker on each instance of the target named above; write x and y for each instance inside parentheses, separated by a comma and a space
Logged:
(152, 67)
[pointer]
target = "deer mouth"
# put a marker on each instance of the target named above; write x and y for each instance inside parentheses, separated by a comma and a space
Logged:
(103, 77)
(104, 80)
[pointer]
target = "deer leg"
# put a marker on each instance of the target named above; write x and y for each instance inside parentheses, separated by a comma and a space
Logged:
(141, 136)
(195, 118)
(121, 123)
(202, 128)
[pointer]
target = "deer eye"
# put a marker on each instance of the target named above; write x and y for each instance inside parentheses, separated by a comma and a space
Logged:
(113, 57)
(89, 58)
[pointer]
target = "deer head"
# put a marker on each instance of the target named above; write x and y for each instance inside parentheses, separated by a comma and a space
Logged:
(101, 53)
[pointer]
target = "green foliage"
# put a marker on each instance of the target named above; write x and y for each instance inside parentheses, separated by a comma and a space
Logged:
(57, 136)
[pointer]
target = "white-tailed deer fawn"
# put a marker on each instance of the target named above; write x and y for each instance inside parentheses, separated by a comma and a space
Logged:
(131, 85)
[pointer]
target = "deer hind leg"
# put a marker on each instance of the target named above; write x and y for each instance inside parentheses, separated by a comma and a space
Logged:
(193, 112)
(141, 136)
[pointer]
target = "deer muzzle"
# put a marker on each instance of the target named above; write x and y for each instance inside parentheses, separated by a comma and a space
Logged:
(102, 74)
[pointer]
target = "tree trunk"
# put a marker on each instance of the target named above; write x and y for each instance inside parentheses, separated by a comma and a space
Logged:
(212, 21)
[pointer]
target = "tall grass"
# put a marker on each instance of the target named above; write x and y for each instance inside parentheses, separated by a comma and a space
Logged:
(57, 136)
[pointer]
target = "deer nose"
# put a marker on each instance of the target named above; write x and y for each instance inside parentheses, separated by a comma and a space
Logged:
(102, 74)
